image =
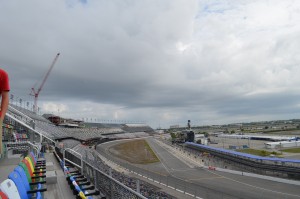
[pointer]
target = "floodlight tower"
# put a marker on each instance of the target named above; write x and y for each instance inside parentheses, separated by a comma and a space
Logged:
(36, 93)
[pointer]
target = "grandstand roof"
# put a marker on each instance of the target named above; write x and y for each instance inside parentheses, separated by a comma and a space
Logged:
(136, 125)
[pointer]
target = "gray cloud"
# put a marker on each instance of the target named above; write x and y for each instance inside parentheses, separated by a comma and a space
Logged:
(164, 61)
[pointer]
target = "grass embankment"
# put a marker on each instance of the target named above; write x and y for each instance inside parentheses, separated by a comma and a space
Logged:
(259, 152)
(294, 150)
(136, 152)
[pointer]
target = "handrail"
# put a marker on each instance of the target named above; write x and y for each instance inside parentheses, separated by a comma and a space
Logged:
(64, 158)
(36, 148)
(119, 183)
(30, 128)
(19, 112)
(102, 173)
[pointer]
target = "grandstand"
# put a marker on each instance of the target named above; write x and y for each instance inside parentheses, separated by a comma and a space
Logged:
(102, 125)
(25, 131)
(28, 113)
(132, 128)
(146, 189)
(91, 130)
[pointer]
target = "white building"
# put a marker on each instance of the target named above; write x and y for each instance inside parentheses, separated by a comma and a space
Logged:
(282, 144)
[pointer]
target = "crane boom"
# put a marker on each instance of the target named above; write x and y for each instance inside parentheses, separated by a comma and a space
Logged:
(36, 93)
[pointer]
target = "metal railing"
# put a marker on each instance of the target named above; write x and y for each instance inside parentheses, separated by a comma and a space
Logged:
(21, 116)
(71, 158)
(41, 136)
(13, 141)
(109, 186)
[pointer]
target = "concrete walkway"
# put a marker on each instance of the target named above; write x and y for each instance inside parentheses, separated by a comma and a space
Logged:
(61, 189)
(7, 165)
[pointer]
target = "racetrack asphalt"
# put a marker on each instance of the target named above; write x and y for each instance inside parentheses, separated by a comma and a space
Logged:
(175, 171)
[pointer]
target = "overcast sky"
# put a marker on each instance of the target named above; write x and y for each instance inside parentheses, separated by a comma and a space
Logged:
(158, 61)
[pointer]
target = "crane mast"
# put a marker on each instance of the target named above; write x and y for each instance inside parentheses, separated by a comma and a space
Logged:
(36, 93)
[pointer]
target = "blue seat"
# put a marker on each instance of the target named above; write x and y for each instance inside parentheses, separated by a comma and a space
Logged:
(23, 176)
(18, 176)
(15, 177)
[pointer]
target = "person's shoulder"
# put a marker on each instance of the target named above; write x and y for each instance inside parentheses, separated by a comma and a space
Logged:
(3, 72)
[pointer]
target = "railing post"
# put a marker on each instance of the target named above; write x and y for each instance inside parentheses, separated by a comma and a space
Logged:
(81, 161)
(64, 162)
(110, 172)
(114, 188)
(95, 178)
(138, 186)
(167, 181)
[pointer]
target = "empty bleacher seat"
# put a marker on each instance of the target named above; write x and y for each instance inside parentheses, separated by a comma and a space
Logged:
(10, 190)
(21, 184)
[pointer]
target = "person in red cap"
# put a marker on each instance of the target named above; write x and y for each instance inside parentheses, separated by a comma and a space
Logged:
(4, 89)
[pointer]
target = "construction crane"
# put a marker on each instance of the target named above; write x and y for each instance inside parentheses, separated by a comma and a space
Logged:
(36, 93)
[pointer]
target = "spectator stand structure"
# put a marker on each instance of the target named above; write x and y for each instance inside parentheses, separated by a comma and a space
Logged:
(108, 186)
(21, 142)
(90, 156)
(134, 128)
(24, 131)
(19, 133)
